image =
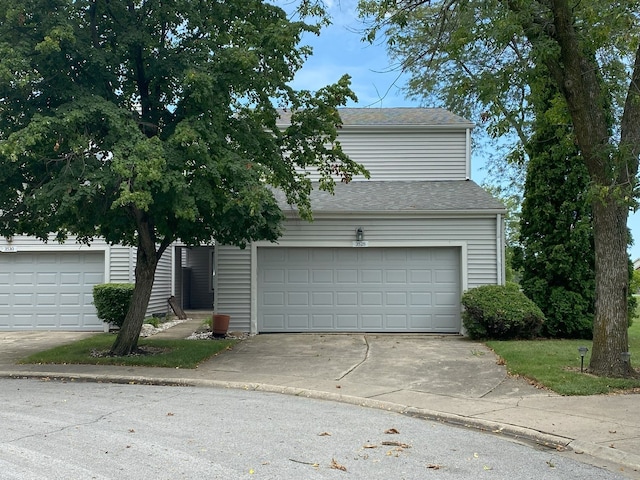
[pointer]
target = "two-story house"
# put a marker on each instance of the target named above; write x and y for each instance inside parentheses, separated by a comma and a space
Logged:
(389, 254)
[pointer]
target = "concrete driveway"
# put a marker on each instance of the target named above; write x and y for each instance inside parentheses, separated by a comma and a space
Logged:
(368, 365)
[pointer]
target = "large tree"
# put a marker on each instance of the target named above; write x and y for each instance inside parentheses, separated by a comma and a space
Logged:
(481, 55)
(149, 121)
(556, 234)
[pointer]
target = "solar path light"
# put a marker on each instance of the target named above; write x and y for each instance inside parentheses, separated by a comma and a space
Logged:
(583, 351)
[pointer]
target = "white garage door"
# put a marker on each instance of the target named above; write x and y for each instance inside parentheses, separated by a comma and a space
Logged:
(359, 289)
(49, 290)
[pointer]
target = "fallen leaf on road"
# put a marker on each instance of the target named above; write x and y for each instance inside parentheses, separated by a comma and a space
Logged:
(396, 444)
(434, 466)
(305, 463)
(392, 431)
(336, 466)
(324, 434)
(368, 445)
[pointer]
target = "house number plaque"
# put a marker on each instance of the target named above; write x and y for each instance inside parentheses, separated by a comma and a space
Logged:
(361, 243)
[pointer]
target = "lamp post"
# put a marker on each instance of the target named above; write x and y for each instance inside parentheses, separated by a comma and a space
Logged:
(583, 351)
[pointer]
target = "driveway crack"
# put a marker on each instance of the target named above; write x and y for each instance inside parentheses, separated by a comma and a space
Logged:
(366, 357)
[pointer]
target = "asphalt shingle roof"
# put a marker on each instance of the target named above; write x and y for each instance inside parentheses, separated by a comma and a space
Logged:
(394, 117)
(397, 196)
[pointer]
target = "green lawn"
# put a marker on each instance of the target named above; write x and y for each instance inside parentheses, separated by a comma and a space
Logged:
(555, 364)
(159, 353)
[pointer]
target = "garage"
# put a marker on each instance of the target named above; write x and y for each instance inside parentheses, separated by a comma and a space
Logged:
(49, 290)
(359, 289)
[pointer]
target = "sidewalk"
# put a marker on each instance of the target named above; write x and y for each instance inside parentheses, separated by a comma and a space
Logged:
(442, 378)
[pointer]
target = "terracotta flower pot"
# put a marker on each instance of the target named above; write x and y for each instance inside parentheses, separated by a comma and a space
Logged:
(220, 324)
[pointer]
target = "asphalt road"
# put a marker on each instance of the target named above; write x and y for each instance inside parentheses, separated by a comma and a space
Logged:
(56, 430)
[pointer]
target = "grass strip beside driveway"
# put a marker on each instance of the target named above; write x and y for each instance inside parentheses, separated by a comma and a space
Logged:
(153, 352)
(555, 364)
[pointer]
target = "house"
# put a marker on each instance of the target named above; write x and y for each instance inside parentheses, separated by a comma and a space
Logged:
(389, 254)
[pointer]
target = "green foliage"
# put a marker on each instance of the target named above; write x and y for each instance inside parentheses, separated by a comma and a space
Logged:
(500, 312)
(112, 301)
(153, 321)
(557, 257)
(634, 284)
(150, 122)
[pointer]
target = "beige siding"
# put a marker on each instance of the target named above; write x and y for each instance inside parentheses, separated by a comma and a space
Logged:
(233, 285)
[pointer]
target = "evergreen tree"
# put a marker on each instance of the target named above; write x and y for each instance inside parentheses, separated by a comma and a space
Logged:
(556, 234)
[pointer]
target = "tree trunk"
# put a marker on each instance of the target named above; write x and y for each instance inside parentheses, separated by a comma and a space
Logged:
(146, 263)
(610, 336)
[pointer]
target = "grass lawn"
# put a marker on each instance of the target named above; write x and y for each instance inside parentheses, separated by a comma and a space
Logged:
(158, 353)
(555, 364)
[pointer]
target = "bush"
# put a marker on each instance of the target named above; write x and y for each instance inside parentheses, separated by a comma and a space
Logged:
(112, 301)
(500, 312)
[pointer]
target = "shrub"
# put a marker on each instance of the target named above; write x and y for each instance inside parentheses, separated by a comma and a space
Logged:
(153, 321)
(112, 301)
(500, 312)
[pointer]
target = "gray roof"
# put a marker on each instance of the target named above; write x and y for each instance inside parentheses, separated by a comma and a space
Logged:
(396, 196)
(394, 117)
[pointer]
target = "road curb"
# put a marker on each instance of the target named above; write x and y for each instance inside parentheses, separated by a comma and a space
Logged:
(515, 432)
(512, 431)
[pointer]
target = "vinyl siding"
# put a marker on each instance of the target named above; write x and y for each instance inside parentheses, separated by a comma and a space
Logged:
(161, 285)
(122, 264)
(233, 286)
(414, 155)
(476, 233)
(407, 155)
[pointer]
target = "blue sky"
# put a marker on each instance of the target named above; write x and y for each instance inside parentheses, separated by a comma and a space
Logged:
(339, 50)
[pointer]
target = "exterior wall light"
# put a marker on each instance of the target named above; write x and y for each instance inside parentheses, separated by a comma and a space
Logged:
(359, 234)
(583, 351)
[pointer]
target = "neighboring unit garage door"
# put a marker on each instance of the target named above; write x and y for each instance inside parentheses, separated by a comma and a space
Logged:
(49, 290)
(358, 289)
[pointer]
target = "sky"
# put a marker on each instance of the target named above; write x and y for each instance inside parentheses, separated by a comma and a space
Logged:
(376, 82)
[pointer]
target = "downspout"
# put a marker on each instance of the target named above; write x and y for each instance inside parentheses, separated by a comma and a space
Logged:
(500, 250)
(468, 154)
(173, 270)
(107, 278)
